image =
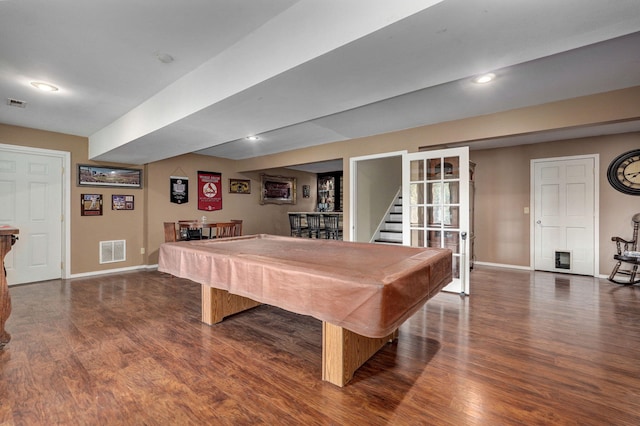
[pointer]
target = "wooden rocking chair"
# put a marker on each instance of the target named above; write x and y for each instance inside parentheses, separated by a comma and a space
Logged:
(627, 253)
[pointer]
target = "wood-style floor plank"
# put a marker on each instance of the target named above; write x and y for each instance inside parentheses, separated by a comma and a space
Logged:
(129, 349)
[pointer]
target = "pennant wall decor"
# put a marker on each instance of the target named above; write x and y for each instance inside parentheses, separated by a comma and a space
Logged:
(209, 191)
(179, 189)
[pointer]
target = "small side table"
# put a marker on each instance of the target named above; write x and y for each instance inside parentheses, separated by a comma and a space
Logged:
(7, 239)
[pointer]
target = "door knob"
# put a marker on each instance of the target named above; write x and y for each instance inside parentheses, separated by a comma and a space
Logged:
(539, 222)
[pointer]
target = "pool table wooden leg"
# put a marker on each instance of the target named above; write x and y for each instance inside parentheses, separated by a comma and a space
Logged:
(218, 304)
(344, 351)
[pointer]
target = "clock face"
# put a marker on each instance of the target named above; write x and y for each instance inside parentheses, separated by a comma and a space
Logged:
(624, 172)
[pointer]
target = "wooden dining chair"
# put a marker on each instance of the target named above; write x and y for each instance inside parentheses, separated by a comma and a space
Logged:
(170, 232)
(238, 230)
(225, 229)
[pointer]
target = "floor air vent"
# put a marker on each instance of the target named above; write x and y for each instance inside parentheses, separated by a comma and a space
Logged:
(113, 251)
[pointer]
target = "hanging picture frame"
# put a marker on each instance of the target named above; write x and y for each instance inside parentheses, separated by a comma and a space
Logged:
(277, 190)
(109, 176)
(91, 204)
(122, 202)
(239, 186)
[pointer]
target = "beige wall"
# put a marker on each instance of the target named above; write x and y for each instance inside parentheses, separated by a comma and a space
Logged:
(267, 218)
(86, 231)
(502, 180)
(503, 190)
(378, 183)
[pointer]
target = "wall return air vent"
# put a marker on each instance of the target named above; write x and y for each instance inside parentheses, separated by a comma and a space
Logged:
(113, 251)
(16, 103)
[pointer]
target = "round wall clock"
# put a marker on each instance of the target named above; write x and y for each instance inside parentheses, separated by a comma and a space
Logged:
(624, 172)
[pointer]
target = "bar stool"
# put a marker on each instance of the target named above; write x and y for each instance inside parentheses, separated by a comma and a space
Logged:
(314, 225)
(332, 226)
(295, 221)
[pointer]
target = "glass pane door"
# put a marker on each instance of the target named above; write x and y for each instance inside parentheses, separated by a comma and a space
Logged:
(436, 206)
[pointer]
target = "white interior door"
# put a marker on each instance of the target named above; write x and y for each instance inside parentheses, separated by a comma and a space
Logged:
(31, 194)
(435, 198)
(564, 191)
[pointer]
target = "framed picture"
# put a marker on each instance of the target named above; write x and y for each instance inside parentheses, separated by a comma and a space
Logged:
(109, 176)
(91, 205)
(240, 186)
(277, 190)
(122, 202)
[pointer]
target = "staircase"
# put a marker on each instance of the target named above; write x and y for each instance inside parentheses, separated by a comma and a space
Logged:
(390, 229)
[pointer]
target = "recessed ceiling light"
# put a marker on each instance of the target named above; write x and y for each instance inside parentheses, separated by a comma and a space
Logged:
(252, 138)
(44, 86)
(165, 58)
(484, 78)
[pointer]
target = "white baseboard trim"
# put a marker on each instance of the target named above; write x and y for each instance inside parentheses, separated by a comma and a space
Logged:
(502, 265)
(114, 271)
(524, 268)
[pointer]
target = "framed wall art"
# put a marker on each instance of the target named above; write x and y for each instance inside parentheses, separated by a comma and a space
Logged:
(277, 190)
(91, 204)
(239, 186)
(109, 176)
(122, 202)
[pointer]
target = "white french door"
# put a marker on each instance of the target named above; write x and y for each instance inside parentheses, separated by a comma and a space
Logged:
(435, 194)
(31, 199)
(564, 206)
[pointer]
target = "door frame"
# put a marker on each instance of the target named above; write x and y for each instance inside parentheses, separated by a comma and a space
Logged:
(596, 206)
(353, 185)
(353, 200)
(66, 197)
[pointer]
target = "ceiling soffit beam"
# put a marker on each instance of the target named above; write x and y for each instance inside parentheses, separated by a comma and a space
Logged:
(319, 28)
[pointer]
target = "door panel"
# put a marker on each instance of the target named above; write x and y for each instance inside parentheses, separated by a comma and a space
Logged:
(31, 200)
(436, 206)
(564, 213)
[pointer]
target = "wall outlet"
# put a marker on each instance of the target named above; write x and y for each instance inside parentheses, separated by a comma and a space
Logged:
(141, 250)
(526, 210)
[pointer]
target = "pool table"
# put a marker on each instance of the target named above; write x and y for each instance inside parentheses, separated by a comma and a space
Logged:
(361, 292)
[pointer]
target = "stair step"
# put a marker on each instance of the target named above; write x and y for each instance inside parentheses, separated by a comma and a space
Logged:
(392, 226)
(385, 241)
(391, 235)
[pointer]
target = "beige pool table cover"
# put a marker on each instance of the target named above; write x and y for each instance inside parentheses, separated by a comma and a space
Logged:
(370, 289)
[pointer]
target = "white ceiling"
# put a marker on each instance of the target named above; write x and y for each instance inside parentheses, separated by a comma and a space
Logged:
(300, 73)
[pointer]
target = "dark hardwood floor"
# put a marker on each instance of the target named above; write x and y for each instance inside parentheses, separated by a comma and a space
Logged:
(525, 348)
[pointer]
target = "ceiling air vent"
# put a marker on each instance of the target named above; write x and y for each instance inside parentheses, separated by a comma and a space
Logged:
(16, 103)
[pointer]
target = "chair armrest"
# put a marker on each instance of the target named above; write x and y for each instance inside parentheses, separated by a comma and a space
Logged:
(620, 241)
